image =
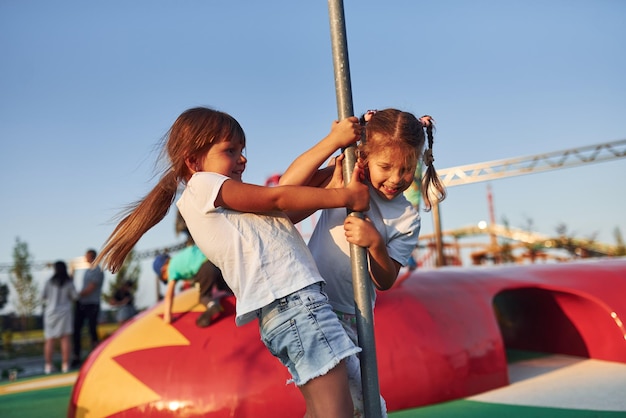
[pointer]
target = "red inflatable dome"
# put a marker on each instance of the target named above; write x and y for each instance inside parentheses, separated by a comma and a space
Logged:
(440, 335)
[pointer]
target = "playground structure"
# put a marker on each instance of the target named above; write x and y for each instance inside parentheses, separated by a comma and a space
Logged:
(441, 334)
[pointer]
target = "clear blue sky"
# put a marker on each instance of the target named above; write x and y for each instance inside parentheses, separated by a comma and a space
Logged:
(88, 88)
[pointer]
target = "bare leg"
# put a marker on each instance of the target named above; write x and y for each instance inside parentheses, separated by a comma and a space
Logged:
(47, 350)
(328, 395)
(65, 352)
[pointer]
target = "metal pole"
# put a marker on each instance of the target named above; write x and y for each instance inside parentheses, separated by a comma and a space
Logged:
(441, 259)
(358, 255)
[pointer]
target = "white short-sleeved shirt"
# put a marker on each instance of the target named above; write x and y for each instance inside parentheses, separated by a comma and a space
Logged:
(261, 256)
(397, 221)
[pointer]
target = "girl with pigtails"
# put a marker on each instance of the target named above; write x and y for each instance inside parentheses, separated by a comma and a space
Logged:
(243, 230)
(393, 143)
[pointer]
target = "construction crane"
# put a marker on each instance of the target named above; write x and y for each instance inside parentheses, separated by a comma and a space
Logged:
(490, 170)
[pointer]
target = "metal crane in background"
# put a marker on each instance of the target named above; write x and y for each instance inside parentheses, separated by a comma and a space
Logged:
(497, 169)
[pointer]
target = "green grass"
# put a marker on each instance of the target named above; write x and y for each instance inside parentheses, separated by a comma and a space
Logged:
(49, 403)
(53, 403)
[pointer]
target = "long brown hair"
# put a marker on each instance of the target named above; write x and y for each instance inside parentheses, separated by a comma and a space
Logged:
(393, 127)
(192, 134)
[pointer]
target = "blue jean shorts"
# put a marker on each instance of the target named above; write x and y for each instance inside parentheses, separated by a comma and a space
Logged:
(304, 333)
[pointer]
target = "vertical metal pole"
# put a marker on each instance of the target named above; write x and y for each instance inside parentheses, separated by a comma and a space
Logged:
(358, 255)
(441, 259)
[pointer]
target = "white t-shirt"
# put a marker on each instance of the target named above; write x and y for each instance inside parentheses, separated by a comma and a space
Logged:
(397, 221)
(262, 257)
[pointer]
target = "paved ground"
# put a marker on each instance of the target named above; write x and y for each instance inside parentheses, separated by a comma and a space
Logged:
(564, 382)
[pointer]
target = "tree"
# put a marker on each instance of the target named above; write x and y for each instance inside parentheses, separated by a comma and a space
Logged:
(22, 280)
(130, 271)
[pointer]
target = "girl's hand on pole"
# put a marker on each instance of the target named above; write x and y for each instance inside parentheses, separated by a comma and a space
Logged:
(345, 132)
(360, 232)
(336, 180)
(359, 200)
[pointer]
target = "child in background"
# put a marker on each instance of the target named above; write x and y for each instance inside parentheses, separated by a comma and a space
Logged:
(190, 264)
(393, 144)
(242, 229)
(124, 301)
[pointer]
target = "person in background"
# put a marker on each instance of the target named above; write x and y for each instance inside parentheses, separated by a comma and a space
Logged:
(88, 306)
(191, 265)
(124, 301)
(57, 296)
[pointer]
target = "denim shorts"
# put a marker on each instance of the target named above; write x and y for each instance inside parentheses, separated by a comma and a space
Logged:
(304, 333)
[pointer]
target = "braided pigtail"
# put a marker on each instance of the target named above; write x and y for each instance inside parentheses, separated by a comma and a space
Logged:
(432, 187)
(364, 121)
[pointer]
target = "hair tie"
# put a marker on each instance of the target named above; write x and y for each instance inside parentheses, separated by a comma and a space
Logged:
(428, 157)
(368, 115)
(427, 121)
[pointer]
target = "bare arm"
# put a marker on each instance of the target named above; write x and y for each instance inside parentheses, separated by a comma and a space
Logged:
(87, 290)
(245, 197)
(168, 302)
(91, 286)
(383, 269)
(303, 169)
(329, 177)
